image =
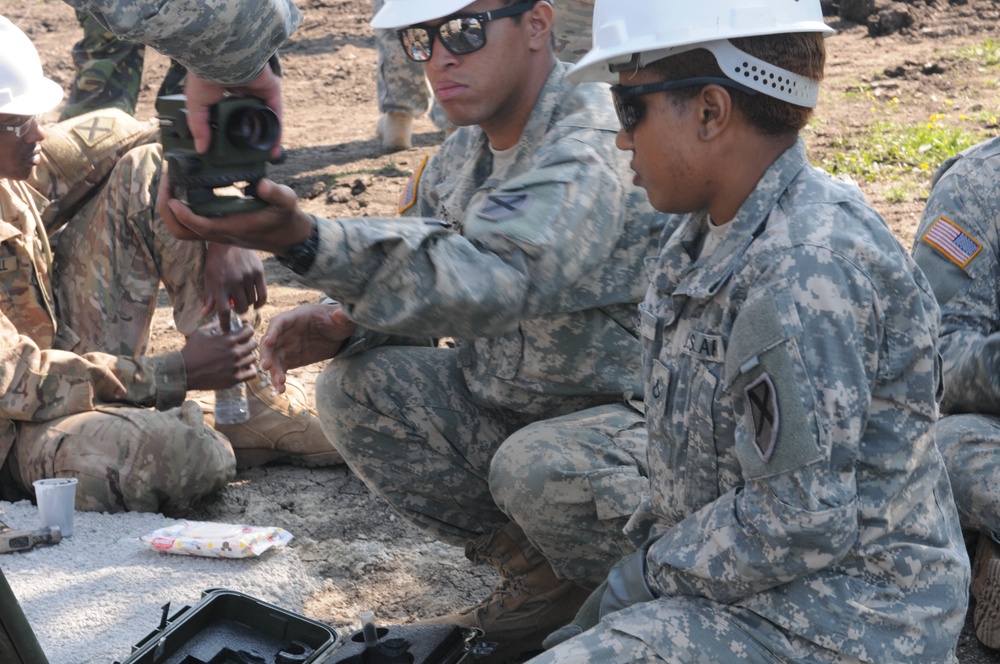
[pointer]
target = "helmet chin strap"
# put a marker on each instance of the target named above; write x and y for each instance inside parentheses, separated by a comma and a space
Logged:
(743, 68)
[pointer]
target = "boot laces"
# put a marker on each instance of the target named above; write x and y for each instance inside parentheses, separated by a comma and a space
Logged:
(265, 382)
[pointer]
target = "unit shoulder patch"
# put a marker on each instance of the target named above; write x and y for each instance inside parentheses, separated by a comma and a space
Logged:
(93, 130)
(498, 207)
(408, 197)
(951, 240)
(762, 404)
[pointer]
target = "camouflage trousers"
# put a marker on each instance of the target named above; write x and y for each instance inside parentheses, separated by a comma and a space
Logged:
(407, 425)
(109, 71)
(109, 262)
(970, 445)
(688, 630)
(573, 19)
(400, 82)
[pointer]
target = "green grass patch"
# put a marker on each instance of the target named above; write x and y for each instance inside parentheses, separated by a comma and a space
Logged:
(986, 54)
(889, 149)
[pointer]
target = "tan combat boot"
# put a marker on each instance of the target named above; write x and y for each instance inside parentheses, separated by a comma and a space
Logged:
(281, 428)
(394, 130)
(986, 591)
(527, 603)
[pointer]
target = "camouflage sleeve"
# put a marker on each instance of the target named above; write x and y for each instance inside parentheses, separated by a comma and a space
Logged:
(523, 248)
(956, 247)
(797, 511)
(38, 385)
(227, 42)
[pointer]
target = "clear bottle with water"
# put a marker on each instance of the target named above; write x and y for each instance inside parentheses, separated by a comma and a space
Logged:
(231, 405)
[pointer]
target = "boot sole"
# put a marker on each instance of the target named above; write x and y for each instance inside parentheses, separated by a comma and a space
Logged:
(986, 590)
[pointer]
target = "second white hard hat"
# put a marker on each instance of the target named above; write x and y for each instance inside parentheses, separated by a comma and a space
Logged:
(24, 89)
(638, 32)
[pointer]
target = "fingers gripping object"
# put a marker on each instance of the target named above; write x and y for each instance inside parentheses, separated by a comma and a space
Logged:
(244, 130)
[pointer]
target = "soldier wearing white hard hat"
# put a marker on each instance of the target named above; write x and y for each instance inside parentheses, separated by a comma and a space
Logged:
(799, 510)
(525, 244)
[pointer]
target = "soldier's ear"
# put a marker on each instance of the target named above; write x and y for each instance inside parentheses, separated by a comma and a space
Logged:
(540, 20)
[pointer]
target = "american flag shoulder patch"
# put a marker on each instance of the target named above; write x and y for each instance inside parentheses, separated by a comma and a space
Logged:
(951, 240)
(408, 197)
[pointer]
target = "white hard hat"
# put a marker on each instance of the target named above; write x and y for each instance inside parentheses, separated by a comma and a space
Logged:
(640, 32)
(24, 89)
(402, 13)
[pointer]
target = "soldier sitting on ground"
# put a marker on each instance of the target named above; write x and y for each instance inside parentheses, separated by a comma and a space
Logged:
(78, 396)
(799, 510)
(524, 242)
(958, 247)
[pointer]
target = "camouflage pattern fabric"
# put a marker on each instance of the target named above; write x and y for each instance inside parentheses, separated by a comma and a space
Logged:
(78, 393)
(799, 509)
(401, 84)
(109, 72)
(459, 469)
(957, 246)
(535, 267)
(573, 22)
(399, 81)
(78, 156)
(227, 42)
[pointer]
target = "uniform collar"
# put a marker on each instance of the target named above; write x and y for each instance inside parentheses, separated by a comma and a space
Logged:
(682, 275)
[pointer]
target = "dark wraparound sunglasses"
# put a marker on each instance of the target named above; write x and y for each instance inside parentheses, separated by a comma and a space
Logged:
(461, 34)
(630, 108)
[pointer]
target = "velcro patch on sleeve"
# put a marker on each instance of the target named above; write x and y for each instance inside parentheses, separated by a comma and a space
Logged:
(950, 239)
(408, 197)
(503, 206)
(94, 129)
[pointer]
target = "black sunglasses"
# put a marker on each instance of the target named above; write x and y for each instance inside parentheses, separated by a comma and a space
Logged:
(630, 108)
(461, 34)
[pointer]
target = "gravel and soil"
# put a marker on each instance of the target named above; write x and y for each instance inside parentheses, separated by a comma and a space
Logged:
(363, 556)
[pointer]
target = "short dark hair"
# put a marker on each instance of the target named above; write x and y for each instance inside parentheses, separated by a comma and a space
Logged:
(799, 52)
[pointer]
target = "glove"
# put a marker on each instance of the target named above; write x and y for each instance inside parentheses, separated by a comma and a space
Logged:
(625, 586)
(586, 617)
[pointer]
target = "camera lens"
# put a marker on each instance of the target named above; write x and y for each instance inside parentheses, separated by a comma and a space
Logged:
(254, 128)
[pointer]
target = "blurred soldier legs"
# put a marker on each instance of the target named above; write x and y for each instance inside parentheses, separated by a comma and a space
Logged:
(970, 445)
(109, 71)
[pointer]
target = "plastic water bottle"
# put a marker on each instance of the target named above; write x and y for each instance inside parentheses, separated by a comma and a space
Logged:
(231, 405)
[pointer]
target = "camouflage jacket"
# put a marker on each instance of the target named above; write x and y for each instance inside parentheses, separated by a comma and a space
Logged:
(222, 41)
(958, 247)
(536, 271)
(790, 400)
(43, 375)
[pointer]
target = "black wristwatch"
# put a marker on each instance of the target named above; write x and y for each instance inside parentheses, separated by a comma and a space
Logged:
(302, 255)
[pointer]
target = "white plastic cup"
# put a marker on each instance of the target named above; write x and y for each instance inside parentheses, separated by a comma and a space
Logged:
(56, 501)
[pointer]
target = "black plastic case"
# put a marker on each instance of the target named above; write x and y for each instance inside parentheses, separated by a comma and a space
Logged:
(228, 627)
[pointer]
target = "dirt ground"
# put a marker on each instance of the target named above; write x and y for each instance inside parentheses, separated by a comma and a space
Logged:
(368, 557)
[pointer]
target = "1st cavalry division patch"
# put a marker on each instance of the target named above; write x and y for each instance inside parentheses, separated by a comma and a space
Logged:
(951, 240)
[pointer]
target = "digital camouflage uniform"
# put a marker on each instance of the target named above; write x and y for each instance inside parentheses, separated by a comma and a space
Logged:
(799, 509)
(401, 84)
(535, 268)
(227, 42)
(109, 72)
(78, 394)
(958, 247)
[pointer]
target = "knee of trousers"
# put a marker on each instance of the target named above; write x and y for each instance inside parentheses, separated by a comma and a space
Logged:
(133, 459)
(191, 460)
(343, 402)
